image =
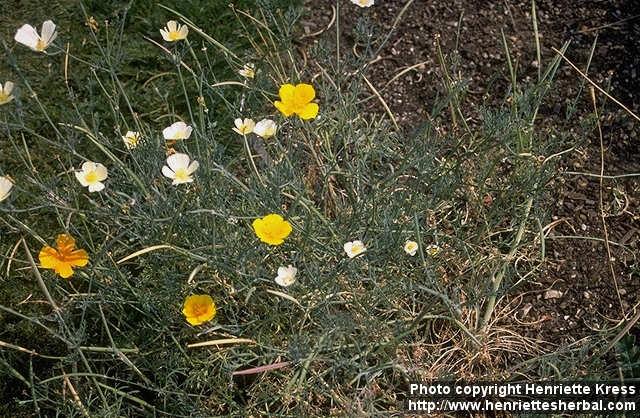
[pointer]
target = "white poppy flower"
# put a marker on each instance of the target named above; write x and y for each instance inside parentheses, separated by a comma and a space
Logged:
(363, 3)
(174, 31)
(5, 187)
(354, 248)
(248, 71)
(244, 127)
(178, 130)
(5, 92)
(411, 247)
(92, 175)
(286, 276)
(266, 128)
(131, 139)
(179, 168)
(28, 36)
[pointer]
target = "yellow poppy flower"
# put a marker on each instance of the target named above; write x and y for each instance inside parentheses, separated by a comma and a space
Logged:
(64, 257)
(297, 100)
(272, 229)
(199, 309)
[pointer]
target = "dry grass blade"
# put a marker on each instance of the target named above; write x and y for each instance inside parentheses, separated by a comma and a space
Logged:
(285, 296)
(261, 369)
(144, 251)
(223, 341)
(74, 395)
(382, 101)
(18, 348)
(601, 195)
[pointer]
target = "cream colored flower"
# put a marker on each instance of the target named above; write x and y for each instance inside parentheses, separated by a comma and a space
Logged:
(179, 168)
(411, 247)
(5, 187)
(92, 175)
(266, 128)
(248, 71)
(178, 130)
(174, 31)
(131, 139)
(363, 3)
(27, 35)
(286, 276)
(244, 127)
(5, 92)
(354, 248)
(433, 250)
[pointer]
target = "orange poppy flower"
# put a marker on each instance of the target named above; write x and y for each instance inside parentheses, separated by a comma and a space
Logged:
(64, 257)
(199, 309)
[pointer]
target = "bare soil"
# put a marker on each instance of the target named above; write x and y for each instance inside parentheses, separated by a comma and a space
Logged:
(592, 294)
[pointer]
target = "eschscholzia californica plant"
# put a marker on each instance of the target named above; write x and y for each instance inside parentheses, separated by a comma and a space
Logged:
(64, 257)
(5, 92)
(297, 100)
(265, 129)
(5, 187)
(354, 248)
(27, 35)
(180, 168)
(272, 229)
(176, 131)
(199, 309)
(92, 175)
(174, 31)
(411, 247)
(244, 127)
(286, 276)
(131, 139)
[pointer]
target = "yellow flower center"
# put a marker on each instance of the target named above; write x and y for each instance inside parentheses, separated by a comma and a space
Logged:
(174, 35)
(40, 45)
(182, 174)
(4, 98)
(91, 177)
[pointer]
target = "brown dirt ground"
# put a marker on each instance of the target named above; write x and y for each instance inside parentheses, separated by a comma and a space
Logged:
(576, 267)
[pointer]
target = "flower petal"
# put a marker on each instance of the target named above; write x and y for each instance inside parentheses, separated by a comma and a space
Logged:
(193, 167)
(287, 92)
(177, 161)
(48, 33)
(284, 108)
(49, 257)
(310, 111)
(27, 35)
(64, 270)
(168, 172)
(101, 171)
(96, 187)
(65, 243)
(7, 88)
(78, 258)
(304, 93)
